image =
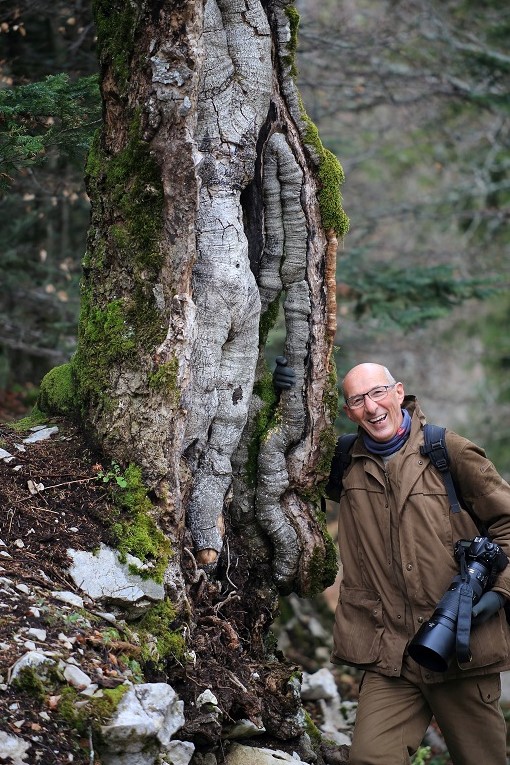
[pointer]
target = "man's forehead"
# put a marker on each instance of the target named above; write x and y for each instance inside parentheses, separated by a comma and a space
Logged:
(363, 377)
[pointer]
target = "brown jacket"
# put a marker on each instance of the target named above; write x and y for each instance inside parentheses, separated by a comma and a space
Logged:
(396, 538)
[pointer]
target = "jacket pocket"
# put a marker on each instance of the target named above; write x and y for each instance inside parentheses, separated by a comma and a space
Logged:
(489, 688)
(489, 642)
(358, 626)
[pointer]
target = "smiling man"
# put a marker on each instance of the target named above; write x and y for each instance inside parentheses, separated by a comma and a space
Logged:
(378, 409)
(396, 538)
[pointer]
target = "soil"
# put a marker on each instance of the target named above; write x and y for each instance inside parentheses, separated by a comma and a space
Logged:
(50, 500)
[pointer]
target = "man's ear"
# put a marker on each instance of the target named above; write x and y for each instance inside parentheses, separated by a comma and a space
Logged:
(399, 388)
(349, 413)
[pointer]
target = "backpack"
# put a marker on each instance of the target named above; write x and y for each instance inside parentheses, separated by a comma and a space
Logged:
(434, 448)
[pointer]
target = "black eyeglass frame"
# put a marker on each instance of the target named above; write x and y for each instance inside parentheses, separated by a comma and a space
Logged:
(362, 395)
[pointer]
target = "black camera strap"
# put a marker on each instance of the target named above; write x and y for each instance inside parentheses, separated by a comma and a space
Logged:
(464, 613)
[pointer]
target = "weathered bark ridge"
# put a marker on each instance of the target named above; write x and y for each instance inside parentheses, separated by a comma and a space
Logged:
(233, 105)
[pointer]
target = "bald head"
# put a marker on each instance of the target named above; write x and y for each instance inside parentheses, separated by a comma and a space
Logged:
(380, 417)
(367, 374)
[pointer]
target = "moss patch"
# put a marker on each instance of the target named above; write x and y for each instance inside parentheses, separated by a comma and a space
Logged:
(293, 17)
(32, 683)
(323, 567)
(116, 28)
(57, 394)
(156, 623)
(36, 417)
(95, 713)
(331, 177)
(137, 533)
(264, 420)
(114, 330)
(165, 379)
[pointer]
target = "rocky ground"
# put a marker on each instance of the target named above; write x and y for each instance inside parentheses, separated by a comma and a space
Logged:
(55, 495)
(50, 500)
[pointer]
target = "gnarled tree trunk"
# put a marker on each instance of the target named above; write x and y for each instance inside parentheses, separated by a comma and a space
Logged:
(213, 202)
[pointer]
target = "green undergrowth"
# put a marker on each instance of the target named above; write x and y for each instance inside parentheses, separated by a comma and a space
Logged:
(33, 419)
(79, 717)
(156, 630)
(95, 713)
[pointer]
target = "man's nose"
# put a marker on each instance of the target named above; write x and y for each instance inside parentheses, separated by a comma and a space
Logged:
(370, 405)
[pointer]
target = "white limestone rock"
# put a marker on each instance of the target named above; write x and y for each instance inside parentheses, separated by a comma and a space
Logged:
(147, 717)
(108, 581)
(14, 748)
(319, 685)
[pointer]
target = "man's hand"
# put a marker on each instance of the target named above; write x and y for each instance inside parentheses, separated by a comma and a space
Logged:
(284, 377)
(488, 605)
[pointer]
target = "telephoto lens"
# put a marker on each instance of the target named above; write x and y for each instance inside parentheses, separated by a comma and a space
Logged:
(434, 644)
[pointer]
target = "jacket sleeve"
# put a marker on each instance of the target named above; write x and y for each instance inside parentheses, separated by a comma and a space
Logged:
(485, 492)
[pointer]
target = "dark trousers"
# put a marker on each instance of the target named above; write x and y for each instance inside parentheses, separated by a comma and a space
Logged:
(394, 714)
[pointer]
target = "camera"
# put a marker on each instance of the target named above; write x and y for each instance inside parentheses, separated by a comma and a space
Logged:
(480, 561)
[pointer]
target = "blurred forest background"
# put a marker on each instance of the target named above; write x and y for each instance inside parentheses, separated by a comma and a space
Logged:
(414, 99)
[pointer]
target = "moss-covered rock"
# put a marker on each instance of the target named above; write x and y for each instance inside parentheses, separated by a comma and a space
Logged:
(57, 394)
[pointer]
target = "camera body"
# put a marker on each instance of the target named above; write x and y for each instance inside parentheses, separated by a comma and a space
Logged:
(433, 645)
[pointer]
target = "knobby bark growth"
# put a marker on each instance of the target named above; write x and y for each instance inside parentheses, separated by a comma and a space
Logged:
(213, 202)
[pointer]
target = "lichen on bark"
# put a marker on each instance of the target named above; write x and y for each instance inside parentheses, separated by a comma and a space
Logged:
(233, 104)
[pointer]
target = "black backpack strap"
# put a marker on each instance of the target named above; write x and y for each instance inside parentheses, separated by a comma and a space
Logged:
(435, 449)
(341, 460)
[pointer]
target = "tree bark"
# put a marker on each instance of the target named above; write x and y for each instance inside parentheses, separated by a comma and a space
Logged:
(213, 200)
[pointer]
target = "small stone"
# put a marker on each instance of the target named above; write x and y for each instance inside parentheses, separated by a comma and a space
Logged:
(33, 611)
(29, 645)
(23, 588)
(107, 616)
(66, 641)
(34, 488)
(68, 597)
(41, 434)
(244, 729)
(5, 554)
(19, 543)
(207, 697)
(37, 634)
(4, 454)
(76, 677)
(90, 690)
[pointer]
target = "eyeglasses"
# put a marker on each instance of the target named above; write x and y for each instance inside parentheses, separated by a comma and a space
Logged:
(375, 394)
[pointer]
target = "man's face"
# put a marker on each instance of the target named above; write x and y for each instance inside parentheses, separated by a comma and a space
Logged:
(380, 419)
